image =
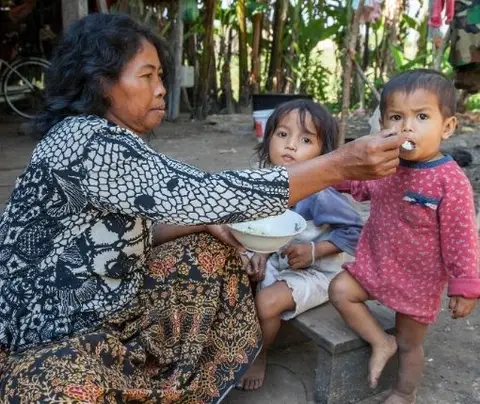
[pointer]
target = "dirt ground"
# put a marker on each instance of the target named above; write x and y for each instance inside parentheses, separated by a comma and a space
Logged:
(452, 372)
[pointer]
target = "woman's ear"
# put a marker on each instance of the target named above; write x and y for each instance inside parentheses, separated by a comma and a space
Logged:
(449, 127)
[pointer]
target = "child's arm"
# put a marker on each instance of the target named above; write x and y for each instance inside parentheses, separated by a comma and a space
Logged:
(302, 255)
(326, 207)
(459, 245)
(358, 189)
(334, 209)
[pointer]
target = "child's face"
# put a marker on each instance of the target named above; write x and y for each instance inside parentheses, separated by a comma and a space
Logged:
(418, 115)
(290, 143)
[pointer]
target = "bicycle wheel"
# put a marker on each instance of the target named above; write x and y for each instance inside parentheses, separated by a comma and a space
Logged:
(23, 86)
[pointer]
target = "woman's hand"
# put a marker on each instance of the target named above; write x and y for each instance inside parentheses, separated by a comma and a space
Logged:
(222, 233)
(370, 157)
(256, 267)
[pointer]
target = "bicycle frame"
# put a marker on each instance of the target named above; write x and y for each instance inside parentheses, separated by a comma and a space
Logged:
(12, 68)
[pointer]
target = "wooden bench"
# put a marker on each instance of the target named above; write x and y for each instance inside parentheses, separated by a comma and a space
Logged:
(342, 364)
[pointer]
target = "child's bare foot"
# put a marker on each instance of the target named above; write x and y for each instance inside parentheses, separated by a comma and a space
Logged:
(380, 355)
(255, 375)
(395, 397)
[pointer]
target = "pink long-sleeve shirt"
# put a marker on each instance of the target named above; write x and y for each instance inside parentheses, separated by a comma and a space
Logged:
(420, 236)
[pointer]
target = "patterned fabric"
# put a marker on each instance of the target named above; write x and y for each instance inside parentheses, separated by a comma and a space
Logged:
(465, 42)
(76, 231)
(408, 251)
(465, 45)
(186, 338)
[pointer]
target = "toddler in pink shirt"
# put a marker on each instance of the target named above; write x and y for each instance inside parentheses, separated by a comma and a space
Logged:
(421, 234)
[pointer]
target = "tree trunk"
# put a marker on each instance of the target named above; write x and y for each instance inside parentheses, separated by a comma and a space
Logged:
(205, 59)
(347, 72)
(280, 15)
(243, 90)
(226, 78)
(392, 14)
(255, 74)
(213, 85)
(174, 107)
(73, 10)
(291, 81)
(395, 15)
(123, 6)
(192, 59)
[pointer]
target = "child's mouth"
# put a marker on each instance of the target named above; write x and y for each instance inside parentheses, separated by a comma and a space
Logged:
(407, 146)
(288, 158)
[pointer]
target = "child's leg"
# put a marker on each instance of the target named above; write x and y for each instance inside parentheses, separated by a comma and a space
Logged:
(348, 296)
(271, 302)
(410, 336)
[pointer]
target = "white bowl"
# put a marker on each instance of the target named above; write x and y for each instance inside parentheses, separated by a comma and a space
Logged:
(270, 234)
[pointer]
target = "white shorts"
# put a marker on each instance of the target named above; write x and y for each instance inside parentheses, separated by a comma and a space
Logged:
(309, 286)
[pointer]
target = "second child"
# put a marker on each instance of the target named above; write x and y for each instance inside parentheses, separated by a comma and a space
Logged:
(296, 279)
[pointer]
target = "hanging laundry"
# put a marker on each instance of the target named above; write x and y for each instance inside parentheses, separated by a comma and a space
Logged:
(372, 10)
(437, 7)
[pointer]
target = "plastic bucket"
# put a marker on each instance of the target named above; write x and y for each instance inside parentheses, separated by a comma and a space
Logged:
(260, 119)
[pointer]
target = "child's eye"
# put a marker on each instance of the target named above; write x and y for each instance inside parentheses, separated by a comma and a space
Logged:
(306, 139)
(395, 117)
(423, 116)
(281, 133)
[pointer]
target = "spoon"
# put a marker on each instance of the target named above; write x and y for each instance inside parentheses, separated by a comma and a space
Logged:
(406, 146)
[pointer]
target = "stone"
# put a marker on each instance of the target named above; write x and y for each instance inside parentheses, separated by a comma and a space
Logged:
(341, 376)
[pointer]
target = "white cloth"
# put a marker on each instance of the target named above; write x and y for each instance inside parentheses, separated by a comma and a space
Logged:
(309, 286)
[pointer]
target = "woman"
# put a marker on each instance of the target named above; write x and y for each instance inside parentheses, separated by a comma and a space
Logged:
(82, 318)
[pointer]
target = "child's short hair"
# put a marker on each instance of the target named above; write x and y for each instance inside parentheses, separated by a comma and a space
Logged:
(425, 79)
(325, 124)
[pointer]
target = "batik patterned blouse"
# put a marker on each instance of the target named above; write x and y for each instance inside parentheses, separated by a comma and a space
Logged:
(77, 229)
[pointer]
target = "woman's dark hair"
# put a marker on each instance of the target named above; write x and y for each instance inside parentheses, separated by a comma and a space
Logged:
(90, 55)
(325, 125)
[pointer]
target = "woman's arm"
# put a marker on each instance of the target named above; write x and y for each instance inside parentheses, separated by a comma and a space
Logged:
(368, 157)
(163, 233)
(122, 174)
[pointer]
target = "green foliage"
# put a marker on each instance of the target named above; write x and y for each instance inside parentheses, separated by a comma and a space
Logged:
(191, 13)
(473, 103)
(402, 63)
(253, 7)
(309, 64)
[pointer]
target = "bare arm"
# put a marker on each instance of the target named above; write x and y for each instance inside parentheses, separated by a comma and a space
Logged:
(368, 157)
(325, 248)
(163, 233)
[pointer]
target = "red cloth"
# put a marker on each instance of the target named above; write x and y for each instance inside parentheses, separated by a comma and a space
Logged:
(421, 235)
(436, 12)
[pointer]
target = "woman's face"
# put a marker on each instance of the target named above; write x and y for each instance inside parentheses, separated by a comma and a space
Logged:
(137, 98)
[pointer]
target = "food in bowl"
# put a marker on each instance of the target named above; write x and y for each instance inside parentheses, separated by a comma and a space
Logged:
(270, 234)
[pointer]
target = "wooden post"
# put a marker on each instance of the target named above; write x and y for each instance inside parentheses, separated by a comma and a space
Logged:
(257, 22)
(174, 106)
(347, 71)
(73, 10)
(102, 6)
(243, 90)
(206, 59)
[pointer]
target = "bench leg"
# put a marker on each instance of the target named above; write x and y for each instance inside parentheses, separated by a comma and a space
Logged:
(343, 378)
